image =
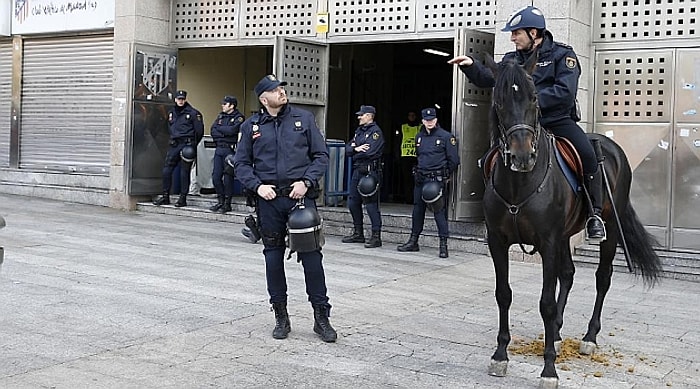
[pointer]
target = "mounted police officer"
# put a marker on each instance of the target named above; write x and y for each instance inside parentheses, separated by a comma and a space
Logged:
(186, 130)
(438, 158)
(365, 148)
(224, 132)
(281, 155)
(556, 79)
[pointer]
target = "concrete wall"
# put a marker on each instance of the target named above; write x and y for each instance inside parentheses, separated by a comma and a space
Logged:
(146, 22)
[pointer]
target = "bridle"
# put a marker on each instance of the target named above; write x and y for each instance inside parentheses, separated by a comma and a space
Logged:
(504, 134)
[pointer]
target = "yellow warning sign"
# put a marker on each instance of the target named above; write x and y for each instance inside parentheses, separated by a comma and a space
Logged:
(321, 23)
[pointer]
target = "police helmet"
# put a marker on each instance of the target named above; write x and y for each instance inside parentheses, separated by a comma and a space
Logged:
(368, 185)
(305, 229)
(188, 153)
(431, 193)
(228, 167)
(527, 17)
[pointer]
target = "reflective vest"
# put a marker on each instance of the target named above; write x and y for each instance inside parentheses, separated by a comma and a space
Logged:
(408, 142)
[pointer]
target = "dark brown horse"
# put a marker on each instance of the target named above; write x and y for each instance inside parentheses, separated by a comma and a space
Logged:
(529, 201)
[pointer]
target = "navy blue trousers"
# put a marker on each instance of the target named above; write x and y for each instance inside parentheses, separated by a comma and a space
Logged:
(223, 183)
(272, 219)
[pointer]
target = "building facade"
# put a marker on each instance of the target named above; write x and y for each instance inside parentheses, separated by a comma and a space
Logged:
(81, 103)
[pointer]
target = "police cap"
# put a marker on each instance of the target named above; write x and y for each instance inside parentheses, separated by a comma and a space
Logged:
(181, 94)
(268, 83)
(229, 100)
(366, 109)
(429, 113)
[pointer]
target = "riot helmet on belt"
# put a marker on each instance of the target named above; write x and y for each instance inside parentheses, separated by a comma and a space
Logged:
(188, 153)
(305, 229)
(431, 193)
(368, 185)
(228, 166)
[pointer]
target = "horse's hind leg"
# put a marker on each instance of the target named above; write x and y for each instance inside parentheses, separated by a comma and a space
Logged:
(603, 276)
(566, 281)
(504, 297)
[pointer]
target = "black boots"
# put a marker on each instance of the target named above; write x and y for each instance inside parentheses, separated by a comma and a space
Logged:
(218, 205)
(282, 325)
(226, 207)
(375, 240)
(411, 245)
(358, 236)
(251, 230)
(321, 324)
(443, 248)
(595, 228)
(181, 201)
(163, 200)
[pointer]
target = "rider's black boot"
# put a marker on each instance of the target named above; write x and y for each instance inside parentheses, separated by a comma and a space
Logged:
(595, 228)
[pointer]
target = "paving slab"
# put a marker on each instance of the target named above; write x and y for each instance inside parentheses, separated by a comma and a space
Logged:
(92, 297)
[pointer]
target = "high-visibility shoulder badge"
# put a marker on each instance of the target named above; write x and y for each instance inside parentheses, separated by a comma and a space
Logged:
(570, 62)
(375, 136)
(453, 140)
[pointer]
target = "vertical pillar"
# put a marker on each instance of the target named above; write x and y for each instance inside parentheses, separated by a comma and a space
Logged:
(146, 22)
(570, 23)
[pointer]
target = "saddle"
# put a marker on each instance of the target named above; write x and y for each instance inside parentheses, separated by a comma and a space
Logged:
(565, 152)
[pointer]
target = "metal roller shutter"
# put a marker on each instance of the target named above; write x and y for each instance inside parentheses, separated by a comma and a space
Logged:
(5, 100)
(66, 104)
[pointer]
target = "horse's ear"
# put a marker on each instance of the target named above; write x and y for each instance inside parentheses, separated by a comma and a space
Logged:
(531, 62)
(490, 63)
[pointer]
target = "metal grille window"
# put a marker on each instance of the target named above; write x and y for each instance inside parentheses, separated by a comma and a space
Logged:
(449, 15)
(210, 20)
(265, 18)
(634, 86)
(631, 20)
(304, 70)
(363, 17)
(5, 101)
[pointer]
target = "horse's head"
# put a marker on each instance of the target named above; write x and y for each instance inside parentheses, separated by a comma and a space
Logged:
(515, 113)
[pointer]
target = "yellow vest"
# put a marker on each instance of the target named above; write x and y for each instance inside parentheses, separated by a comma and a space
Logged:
(408, 142)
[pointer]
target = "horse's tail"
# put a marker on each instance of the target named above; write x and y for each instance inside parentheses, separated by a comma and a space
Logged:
(640, 245)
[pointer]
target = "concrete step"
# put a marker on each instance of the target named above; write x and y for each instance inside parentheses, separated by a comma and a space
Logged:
(676, 264)
(396, 227)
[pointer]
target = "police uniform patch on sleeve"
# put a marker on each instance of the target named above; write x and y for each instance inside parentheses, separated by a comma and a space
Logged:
(240, 119)
(453, 140)
(375, 136)
(570, 62)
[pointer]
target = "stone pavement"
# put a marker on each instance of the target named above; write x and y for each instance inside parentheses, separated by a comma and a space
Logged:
(92, 297)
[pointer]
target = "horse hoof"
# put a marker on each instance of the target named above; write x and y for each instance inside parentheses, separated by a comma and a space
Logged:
(557, 346)
(549, 382)
(498, 368)
(587, 348)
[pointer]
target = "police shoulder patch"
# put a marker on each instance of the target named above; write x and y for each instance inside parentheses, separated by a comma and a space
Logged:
(375, 136)
(570, 62)
(240, 119)
(453, 140)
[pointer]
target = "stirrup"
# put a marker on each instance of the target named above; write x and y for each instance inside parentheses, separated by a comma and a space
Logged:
(605, 232)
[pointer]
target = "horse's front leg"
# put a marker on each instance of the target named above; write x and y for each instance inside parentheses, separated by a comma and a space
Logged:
(603, 276)
(504, 297)
(566, 281)
(549, 311)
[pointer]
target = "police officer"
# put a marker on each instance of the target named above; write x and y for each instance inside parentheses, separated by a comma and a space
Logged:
(224, 132)
(556, 79)
(281, 155)
(365, 148)
(186, 130)
(407, 161)
(438, 158)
